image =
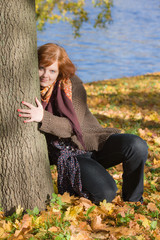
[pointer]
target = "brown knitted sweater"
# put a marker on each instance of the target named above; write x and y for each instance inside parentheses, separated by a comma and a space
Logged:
(94, 135)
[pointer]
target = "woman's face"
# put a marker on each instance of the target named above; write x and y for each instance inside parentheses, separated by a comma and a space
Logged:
(48, 75)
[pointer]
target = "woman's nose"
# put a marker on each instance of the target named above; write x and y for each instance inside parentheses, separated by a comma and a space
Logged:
(45, 73)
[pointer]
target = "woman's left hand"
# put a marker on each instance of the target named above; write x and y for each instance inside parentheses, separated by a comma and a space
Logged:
(34, 113)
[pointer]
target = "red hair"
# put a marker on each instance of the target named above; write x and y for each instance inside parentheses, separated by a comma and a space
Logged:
(49, 53)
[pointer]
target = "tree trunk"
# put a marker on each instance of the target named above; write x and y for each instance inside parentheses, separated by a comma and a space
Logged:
(25, 177)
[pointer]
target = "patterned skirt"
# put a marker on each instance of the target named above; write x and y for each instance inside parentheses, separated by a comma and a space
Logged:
(69, 175)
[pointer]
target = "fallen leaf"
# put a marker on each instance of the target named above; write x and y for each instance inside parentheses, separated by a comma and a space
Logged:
(134, 225)
(1, 215)
(1, 232)
(156, 162)
(157, 140)
(84, 226)
(118, 200)
(121, 231)
(152, 207)
(97, 225)
(119, 167)
(140, 238)
(66, 197)
(80, 236)
(142, 132)
(117, 176)
(7, 226)
(144, 220)
(107, 207)
(72, 213)
(85, 202)
(101, 236)
(53, 229)
(26, 226)
(121, 211)
(19, 210)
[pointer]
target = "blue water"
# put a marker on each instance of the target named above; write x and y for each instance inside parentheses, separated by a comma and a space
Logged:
(129, 46)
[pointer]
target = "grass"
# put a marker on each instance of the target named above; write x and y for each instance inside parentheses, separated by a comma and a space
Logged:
(132, 105)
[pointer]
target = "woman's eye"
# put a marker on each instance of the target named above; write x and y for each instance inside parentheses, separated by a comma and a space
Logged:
(41, 68)
(52, 71)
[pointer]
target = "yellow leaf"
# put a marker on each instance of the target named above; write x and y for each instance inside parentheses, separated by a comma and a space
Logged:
(17, 224)
(20, 238)
(146, 223)
(152, 117)
(38, 221)
(157, 140)
(1, 232)
(155, 196)
(138, 116)
(55, 210)
(149, 133)
(19, 210)
(107, 207)
(72, 212)
(1, 214)
(156, 162)
(7, 226)
(140, 238)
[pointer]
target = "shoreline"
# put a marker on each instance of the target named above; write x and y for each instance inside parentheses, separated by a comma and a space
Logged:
(154, 74)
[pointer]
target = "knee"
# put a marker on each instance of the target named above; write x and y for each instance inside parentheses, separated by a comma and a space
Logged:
(110, 194)
(107, 194)
(136, 153)
(140, 148)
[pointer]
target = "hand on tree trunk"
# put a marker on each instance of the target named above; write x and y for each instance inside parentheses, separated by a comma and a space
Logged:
(34, 113)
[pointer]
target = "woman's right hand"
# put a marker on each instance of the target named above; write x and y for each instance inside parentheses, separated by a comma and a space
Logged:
(35, 114)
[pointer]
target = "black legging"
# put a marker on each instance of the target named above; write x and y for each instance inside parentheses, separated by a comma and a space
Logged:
(128, 149)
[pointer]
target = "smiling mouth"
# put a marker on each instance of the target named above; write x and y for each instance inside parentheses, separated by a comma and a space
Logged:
(44, 80)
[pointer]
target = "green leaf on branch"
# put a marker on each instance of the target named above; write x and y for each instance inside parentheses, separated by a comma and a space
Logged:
(73, 12)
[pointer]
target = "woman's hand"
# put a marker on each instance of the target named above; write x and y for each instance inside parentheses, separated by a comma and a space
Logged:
(34, 113)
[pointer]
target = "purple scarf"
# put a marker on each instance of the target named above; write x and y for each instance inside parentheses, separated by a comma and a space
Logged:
(69, 176)
(60, 105)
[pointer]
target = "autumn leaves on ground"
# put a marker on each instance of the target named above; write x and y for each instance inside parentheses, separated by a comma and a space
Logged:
(132, 105)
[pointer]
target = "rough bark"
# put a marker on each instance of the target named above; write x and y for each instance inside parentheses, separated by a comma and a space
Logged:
(25, 177)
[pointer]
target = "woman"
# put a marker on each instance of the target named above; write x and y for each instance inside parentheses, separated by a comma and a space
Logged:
(77, 143)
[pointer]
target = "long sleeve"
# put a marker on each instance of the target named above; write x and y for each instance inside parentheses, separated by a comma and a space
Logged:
(61, 126)
(79, 97)
(58, 126)
(94, 135)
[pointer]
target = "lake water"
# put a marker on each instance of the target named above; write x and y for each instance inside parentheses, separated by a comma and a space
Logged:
(129, 46)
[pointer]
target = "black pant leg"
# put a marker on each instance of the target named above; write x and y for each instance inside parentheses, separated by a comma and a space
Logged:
(96, 180)
(132, 151)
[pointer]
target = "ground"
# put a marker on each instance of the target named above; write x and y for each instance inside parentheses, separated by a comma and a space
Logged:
(132, 105)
